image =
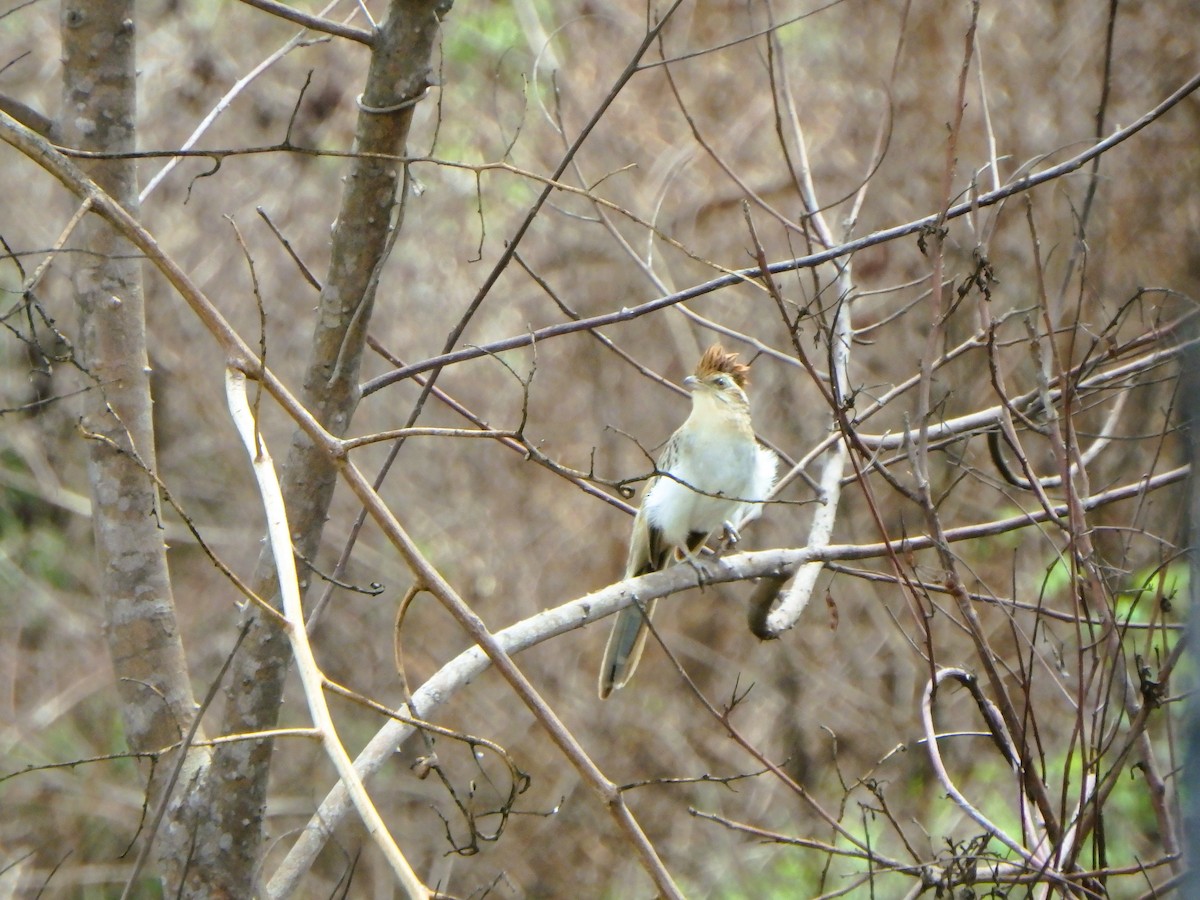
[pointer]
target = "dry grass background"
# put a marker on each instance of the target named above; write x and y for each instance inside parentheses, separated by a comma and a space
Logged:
(513, 538)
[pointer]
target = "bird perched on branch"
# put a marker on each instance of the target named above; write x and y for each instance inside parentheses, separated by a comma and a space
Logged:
(712, 475)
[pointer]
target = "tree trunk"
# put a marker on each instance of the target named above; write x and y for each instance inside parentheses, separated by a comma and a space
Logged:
(99, 113)
(228, 850)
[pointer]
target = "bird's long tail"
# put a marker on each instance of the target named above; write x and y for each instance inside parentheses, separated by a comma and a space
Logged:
(624, 648)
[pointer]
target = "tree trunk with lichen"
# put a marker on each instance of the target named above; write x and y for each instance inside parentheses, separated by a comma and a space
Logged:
(99, 113)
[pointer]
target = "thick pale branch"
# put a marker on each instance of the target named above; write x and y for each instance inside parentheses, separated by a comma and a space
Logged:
(243, 359)
(433, 581)
(306, 665)
(771, 622)
(470, 664)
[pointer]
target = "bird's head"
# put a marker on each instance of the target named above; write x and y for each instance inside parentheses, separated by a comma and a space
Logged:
(719, 378)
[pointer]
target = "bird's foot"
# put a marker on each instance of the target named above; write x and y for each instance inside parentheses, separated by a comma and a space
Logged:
(731, 536)
(701, 576)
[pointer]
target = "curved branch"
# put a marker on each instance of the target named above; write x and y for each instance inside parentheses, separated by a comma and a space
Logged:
(939, 768)
(473, 662)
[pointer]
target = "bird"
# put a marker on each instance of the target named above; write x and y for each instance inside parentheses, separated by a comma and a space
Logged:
(712, 475)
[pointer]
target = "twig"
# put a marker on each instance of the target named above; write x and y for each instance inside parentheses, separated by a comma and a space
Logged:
(313, 23)
(751, 274)
(775, 610)
(176, 770)
(223, 104)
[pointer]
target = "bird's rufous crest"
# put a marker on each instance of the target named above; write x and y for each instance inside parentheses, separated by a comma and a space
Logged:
(715, 359)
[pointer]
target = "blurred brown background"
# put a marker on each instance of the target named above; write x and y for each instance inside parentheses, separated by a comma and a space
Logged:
(831, 703)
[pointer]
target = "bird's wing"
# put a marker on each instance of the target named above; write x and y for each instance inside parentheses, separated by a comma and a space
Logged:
(647, 551)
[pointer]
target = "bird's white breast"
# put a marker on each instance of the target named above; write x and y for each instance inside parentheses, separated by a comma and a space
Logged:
(713, 473)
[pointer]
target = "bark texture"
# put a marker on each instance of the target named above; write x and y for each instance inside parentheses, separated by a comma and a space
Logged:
(99, 113)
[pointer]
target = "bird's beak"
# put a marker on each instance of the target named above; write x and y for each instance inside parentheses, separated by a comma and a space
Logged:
(691, 382)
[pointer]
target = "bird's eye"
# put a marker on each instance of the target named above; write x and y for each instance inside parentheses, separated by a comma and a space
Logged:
(723, 381)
